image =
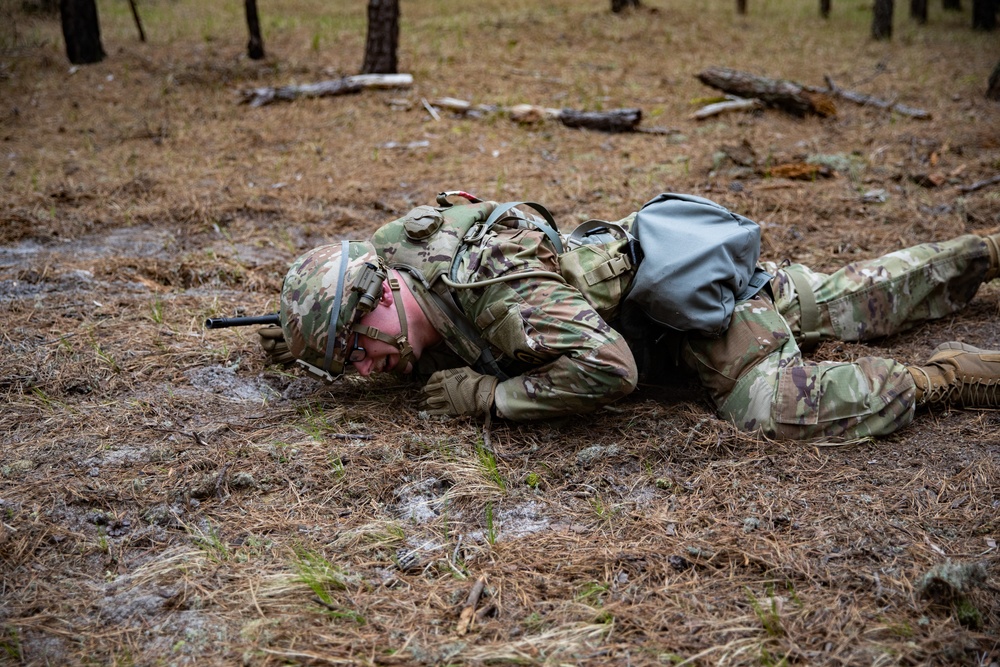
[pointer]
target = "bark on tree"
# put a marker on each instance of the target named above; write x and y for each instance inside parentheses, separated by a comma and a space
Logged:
(918, 11)
(953, 5)
(383, 37)
(824, 8)
(993, 91)
(255, 47)
(984, 15)
(82, 31)
(619, 5)
(741, 6)
(882, 20)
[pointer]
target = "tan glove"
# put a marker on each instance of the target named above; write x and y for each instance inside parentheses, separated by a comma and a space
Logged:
(459, 392)
(275, 347)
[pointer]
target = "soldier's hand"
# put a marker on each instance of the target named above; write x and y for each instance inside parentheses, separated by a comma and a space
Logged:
(275, 347)
(459, 391)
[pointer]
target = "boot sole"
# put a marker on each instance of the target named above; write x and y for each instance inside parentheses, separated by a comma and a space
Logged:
(956, 346)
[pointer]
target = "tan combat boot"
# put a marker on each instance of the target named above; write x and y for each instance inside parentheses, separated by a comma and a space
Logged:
(958, 375)
(993, 246)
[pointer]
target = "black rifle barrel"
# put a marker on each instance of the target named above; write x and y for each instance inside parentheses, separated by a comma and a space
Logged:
(223, 322)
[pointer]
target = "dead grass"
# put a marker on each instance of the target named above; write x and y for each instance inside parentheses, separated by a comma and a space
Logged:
(164, 498)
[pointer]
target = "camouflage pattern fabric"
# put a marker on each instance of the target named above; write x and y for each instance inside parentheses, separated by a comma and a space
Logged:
(562, 357)
(758, 379)
(307, 297)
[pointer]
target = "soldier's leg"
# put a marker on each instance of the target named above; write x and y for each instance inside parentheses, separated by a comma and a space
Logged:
(882, 296)
(758, 380)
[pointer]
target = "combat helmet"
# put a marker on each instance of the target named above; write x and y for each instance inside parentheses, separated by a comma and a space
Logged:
(325, 294)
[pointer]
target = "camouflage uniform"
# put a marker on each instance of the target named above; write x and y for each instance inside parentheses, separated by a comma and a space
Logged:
(558, 354)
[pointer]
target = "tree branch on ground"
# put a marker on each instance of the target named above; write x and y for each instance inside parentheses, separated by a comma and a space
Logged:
(258, 97)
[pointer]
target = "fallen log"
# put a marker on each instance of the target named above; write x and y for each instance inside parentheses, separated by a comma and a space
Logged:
(613, 120)
(868, 100)
(258, 97)
(616, 120)
(786, 95)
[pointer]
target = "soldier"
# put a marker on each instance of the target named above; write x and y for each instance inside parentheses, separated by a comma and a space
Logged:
(500, 323)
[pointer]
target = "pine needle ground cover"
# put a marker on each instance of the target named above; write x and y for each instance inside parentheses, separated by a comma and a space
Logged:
(165, 498)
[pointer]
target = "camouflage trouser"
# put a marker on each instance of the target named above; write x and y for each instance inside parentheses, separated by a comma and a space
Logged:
(758, 379)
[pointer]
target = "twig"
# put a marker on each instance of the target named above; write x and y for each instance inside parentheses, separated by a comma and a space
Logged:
(468, 614)
(732, 103)
(979, 185)
(350, 436)
(431, 110)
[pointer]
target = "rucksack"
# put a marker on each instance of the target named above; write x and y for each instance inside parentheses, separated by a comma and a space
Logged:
(683, 262)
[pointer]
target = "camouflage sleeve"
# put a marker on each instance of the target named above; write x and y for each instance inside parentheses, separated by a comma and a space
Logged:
(575, 361)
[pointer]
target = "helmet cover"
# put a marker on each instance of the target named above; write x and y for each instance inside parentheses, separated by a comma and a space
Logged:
(318, 282)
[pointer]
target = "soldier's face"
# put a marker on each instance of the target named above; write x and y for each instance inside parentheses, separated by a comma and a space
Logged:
(380, 357)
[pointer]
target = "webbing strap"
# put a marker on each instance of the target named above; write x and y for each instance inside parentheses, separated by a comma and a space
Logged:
(331, 334)
(550, 230)
(809, 320)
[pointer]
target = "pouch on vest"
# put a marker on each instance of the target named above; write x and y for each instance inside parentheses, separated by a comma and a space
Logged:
(700, 259)
(599, 263)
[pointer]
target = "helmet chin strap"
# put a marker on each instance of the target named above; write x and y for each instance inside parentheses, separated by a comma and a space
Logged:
(400, 342)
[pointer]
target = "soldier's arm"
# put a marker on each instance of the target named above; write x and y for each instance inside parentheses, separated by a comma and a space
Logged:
(577, 362)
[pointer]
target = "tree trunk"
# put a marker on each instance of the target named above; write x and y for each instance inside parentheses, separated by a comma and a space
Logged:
(383, 37)
(824, 8)
(82, 31)
(918, 11)
(953, 5)
(255, 47)
(882, 20)
(993, 91)
(741, 6)
(984, 15)
(619, 5)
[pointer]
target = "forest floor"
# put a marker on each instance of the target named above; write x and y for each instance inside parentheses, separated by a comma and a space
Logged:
(166, 498)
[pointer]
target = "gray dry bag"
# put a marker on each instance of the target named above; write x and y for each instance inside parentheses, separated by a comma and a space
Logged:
(699, 260)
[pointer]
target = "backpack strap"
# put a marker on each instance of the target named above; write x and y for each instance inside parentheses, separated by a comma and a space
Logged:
(551, 230)
(809, 319)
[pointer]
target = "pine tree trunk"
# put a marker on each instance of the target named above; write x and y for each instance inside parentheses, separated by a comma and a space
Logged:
(383, 37)
(993, 91)
(82, 31)
(953, 5)
(619, 5)
(918, 11)
(741, 6)
(255, 47)
(882, 20)
(824, 8)
(984, 15)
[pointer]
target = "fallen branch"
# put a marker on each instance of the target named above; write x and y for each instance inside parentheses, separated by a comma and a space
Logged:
(978, 185)
(732, 103)
(258, 97)
(613, 120)
(868, 100)
(786, 95)
(468, 614)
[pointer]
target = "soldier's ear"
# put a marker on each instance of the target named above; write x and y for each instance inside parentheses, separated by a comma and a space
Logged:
(386, 299)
